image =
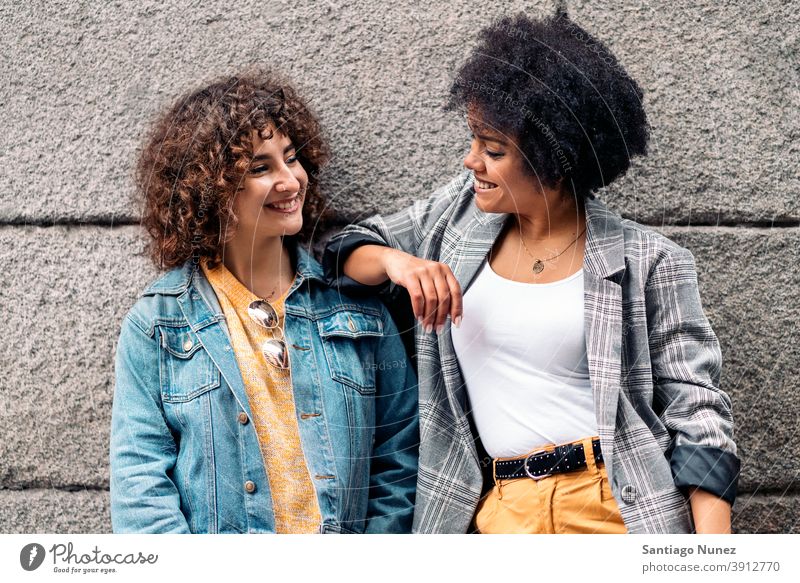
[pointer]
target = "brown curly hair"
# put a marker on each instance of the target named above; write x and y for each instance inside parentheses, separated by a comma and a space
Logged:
(199, 151)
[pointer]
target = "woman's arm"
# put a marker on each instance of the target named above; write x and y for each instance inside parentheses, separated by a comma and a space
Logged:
(403, 230)
(393, 467)
(366, 264)
(382, 249)
(432, 287)
(686, 362)
(712, 514)
(144, 498)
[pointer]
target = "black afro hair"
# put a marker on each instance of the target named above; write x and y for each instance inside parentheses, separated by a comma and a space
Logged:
(560, 93)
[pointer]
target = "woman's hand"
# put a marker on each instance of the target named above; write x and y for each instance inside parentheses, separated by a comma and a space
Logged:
(433, 288)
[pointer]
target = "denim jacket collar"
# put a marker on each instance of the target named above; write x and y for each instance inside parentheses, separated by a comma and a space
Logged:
(205, 316)
(177, 281)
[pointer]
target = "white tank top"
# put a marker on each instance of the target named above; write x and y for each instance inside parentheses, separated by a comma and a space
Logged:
(522, 351)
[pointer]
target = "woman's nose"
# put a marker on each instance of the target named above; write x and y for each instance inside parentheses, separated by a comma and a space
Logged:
(287, 181)
(472, 161)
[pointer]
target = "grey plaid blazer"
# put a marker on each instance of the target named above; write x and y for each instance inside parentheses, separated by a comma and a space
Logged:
(654, 364)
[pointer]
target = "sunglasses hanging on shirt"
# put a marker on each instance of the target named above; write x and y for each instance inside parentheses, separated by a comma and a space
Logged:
(273, 349)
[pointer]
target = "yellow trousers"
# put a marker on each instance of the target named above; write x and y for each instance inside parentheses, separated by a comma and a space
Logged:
(577, 502)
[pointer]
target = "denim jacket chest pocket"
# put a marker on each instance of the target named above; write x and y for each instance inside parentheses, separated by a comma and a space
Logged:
(187, 370)
(348, 340)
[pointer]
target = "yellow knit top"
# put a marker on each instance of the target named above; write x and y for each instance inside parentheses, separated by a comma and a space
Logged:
(269, 392)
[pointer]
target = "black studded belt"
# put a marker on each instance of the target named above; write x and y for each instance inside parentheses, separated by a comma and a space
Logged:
(542, 463)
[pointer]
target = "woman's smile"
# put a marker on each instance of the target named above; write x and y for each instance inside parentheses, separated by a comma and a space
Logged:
(286, 206)
(482, 186)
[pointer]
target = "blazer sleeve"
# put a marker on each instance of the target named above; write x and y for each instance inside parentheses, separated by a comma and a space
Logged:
(403, 230)
(686, 362)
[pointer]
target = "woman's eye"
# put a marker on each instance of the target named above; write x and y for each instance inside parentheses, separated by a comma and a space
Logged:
(258, 169)
(292, 159)
(494, 155)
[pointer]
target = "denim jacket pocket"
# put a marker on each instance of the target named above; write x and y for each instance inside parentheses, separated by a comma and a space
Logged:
(187, 370)
(348, 339)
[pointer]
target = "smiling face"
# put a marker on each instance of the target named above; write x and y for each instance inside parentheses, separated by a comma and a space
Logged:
(502, 185)
(270, 201)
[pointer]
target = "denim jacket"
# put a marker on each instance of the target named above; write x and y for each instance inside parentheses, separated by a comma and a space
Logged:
(184, 454)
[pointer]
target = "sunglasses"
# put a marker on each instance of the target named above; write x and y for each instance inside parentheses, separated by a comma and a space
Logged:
(273, 349)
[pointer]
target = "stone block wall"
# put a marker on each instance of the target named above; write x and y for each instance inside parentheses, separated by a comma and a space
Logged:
(80, 81)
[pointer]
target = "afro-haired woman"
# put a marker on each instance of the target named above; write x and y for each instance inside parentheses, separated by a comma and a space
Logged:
(583, 365)
(250, 396)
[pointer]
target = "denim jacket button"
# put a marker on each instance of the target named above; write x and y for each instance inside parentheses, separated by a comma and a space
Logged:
(243, 419)
(187, 344)
(250, 486)
(351, 324)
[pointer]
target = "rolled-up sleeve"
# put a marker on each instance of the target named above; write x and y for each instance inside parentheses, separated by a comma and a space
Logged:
(686, 362)
(335, 256)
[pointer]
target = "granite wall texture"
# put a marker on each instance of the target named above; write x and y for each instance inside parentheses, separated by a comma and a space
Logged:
(79, 82)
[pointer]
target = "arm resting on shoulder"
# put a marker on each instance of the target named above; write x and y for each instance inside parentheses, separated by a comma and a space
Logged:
(403, 230)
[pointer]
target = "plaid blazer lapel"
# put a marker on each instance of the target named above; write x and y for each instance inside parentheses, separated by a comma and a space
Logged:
(604, 265)
(464, 251)
(473, 245)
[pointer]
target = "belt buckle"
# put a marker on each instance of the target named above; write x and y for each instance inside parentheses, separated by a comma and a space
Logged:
(527, 471)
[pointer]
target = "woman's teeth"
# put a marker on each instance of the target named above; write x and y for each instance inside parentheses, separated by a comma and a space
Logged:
(484, 185)
(284, 205)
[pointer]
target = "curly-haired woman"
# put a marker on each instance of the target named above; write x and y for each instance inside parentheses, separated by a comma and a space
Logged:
(250, 396)
(584, 362)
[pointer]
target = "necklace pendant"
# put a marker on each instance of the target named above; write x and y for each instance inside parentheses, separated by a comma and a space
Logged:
(538, 266)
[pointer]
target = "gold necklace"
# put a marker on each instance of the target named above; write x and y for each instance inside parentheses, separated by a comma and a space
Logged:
(538, 264)
(275, 289)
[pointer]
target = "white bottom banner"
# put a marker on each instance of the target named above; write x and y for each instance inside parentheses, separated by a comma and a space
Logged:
(409, 558)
